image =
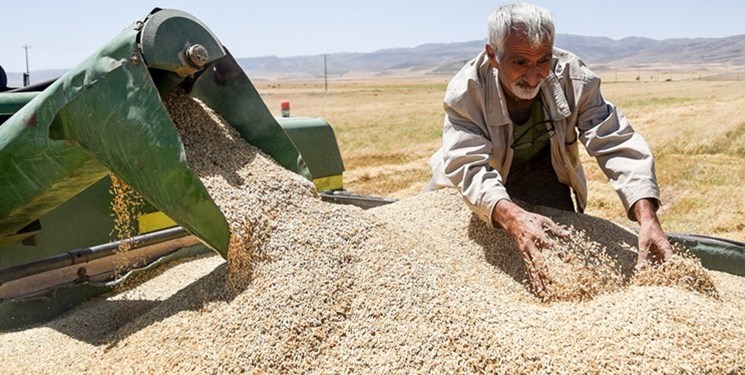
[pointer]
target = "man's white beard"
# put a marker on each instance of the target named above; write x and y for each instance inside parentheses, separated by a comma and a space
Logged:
(523, 92)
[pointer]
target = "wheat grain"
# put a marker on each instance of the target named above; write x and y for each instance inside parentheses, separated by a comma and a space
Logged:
(126, 205)
(419, 286)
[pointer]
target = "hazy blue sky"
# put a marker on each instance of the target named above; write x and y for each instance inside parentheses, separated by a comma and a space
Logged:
(62, 33)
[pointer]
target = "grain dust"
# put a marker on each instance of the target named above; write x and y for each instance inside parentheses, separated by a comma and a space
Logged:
(579, 268)
(126, 205)
(683, 270)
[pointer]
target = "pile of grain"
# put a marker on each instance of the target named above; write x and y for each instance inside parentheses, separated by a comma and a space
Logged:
(577, 268)
(683, 270)
(581, 267)
(418, 286)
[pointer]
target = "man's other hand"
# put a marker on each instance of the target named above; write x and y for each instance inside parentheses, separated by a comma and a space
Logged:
(653, 244)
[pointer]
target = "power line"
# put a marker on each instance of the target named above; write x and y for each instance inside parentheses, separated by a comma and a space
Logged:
(27, 75)
(325, 75)
(51, 47)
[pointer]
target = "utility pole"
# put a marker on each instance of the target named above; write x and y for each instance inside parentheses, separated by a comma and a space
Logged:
(325, 75)
(26, 76)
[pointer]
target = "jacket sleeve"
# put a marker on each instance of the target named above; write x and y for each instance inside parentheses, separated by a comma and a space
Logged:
(621, 153)
(466, 152)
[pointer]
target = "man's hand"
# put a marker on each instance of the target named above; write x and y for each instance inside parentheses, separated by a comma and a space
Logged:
(530, 232)
(653, 244)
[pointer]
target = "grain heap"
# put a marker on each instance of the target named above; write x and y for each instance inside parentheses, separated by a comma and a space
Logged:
(683, 270)
(579, 267)
(420, 286)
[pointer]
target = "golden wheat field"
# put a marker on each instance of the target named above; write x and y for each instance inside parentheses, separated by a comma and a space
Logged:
(388, 127)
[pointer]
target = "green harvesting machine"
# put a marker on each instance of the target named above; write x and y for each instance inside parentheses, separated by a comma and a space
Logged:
(60, 141)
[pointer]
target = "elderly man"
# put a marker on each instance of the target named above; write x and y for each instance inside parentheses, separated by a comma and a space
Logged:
(514, 117)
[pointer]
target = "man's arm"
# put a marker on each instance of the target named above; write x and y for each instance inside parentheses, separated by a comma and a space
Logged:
(466, 152)
(627, 161)
(621, 153)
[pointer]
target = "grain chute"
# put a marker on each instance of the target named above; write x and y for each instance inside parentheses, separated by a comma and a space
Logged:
(60, 141)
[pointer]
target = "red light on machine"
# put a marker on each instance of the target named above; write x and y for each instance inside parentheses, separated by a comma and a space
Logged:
(285, 106)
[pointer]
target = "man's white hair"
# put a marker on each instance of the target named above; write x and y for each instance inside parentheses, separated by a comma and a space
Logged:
(531, 20)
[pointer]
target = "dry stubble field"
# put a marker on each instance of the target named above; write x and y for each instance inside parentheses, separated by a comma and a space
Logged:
(388, 127)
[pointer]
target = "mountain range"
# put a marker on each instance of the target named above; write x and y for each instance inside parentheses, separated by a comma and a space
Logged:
(447, 58)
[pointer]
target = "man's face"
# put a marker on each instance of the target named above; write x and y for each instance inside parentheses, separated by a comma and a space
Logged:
(522, 68)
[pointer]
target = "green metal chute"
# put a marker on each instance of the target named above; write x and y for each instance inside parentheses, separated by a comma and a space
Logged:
(225, 88)
(715, 253)
(106, 116)
(103, 115)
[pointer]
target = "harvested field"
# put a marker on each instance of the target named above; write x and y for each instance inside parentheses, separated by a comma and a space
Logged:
(419, 286)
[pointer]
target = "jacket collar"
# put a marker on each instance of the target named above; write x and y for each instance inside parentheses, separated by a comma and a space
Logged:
(551, 88)
(495, 102)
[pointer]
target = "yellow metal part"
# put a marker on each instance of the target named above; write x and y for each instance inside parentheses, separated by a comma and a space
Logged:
(154, 221)
(334, 182)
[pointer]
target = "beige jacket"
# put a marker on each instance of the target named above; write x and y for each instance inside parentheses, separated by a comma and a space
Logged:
(475, 156)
